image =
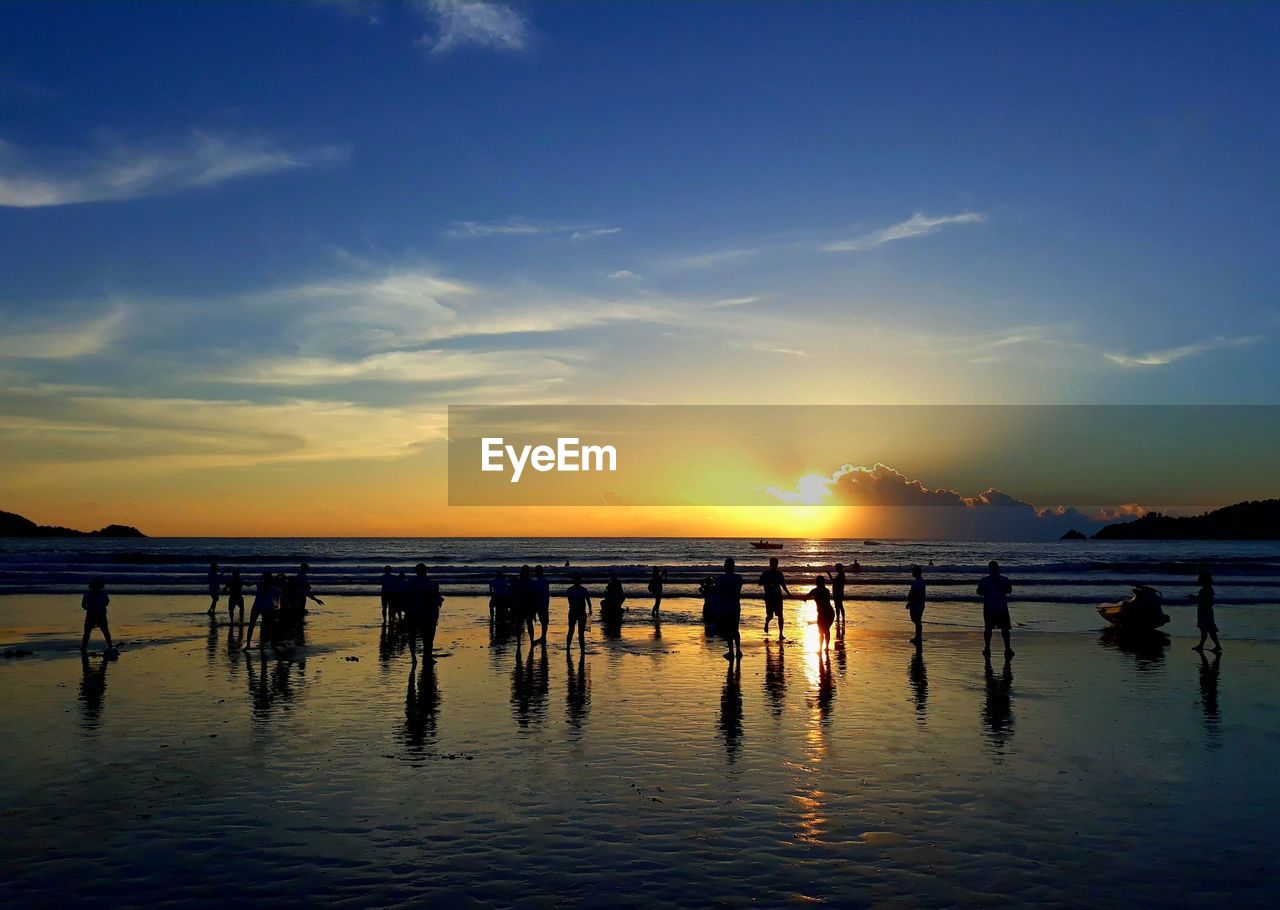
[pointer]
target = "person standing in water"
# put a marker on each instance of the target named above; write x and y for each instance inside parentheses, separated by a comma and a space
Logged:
(579, 609)
(525, 603)
(499, 597)
(235, 596)
(1208, 626)
(266, 600)
(422, 612)
(915, 603)
(994, 590)
(656, 581)
(826, 612)
(542, 602)
(837, 590)
(729, 591)
(774, 584)
(94, 603)
(388, 592)
(215, 586)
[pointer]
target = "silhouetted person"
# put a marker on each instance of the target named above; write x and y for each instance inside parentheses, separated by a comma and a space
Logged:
(915, 603)
(235, 596)
(1209, 694)
(775, 676)
(656, 581)
(542, 601)
(94, 603)
(577, 696)
(215, 586)
(919, 679)
(388, 592)
(856, 567)
(579, 608)
(837, 590)
(731, 710)
(994, 589)
(997, 710)
(615, 596)
(499, 597)
(826, 612)
(710, 601)
(93, 688)
(774, 584)
(1208, 626)
(266, 600)
(422, 612)
(526, 605)
(398, 595)
(729, 593)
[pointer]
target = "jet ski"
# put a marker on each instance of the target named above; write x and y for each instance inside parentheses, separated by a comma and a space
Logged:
(1142, 611)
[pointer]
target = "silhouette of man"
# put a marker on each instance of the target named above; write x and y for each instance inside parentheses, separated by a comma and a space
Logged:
(215, 586)
(729, 590)
(774, 584)
(422, 611)
(994, 589)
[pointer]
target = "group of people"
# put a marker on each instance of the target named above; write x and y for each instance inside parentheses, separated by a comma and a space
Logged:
(414, 602)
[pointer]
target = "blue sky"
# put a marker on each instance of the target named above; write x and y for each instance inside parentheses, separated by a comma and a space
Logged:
(316, 224)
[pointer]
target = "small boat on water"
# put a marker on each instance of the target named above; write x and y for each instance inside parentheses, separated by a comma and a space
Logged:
(765, 545)
(871, 543)
(1142, 611)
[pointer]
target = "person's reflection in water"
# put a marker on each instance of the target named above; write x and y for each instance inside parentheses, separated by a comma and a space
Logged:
(270, 681)
(577, 697)
(387, 643)
(775, 675)
(826, 689)
(919, 679)
(731, 711)
(421, 706)
(93, 686)
(842, 657)
(997, 710)
(211, 641)
(1209, 670)
(530, 683)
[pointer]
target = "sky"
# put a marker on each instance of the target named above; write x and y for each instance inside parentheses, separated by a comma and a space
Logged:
(252, 252)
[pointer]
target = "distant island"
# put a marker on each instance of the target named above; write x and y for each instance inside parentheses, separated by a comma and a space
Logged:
(1256, 520)
(12, 525)
(1073, 534)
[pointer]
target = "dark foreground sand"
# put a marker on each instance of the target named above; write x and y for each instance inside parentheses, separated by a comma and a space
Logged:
(647, 774)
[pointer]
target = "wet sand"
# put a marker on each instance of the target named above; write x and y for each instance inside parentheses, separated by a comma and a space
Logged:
(649, 772)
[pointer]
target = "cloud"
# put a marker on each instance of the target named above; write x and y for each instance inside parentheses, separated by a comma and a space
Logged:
(41, 341)
(458, 23)
(624, 275)
(917, 225)
(765, 347)
(119, 170)
(909, 508)
(1169, 355)
(523, 227)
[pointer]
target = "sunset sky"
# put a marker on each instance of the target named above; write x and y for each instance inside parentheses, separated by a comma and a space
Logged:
(251, 252)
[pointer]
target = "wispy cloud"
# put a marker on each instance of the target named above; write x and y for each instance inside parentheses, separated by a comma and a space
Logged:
(524, 227)
(624, 275)
(116, 170)
(44, 341)
(1169, 355)
(458, 23)
(917, 225)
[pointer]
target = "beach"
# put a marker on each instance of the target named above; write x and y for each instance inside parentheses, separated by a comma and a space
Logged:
(646, 772)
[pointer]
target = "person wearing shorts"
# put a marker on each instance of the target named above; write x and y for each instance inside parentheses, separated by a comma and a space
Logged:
(915, 604)
(994, 589)
(422, 612)
(215, 587)
(826, 612)
(729, 590)
(774, 584)
(94, 603)
(266, 600)
(235, 596)
(579, 608)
